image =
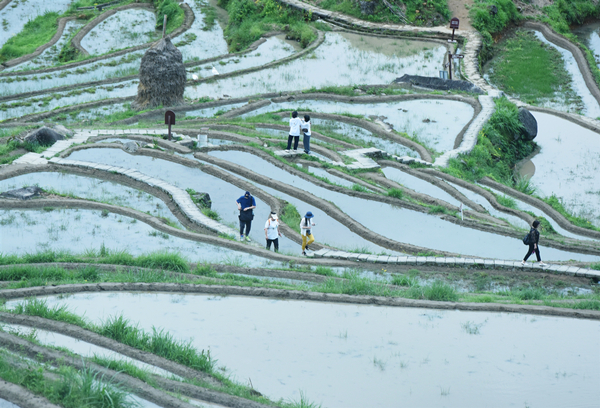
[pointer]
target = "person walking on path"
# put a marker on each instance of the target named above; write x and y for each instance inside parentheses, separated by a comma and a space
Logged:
(306, 129)
(272, 233)
(295, 123)
(246, 204)
(306, 225)
(534, 238)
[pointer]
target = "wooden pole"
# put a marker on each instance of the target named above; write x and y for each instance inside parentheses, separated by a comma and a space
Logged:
(165, 26)
(450, 65)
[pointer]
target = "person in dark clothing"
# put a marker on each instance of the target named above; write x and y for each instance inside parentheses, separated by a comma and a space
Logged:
(246, 204)
(533, 245)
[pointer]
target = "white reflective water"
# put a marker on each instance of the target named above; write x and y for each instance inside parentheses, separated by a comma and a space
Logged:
(434, 123)
(404, 225)
(30, 231)
(124, 29)
(592, 108)
(92, 189)
(568, 165)
(338, 61)
(15, 15)
(222, 194)
(346, 356)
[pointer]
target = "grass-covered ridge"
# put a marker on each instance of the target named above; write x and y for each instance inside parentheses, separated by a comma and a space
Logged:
(499, 147)
(417, 12)
(248, 20)
(36, 32)
(531, 70)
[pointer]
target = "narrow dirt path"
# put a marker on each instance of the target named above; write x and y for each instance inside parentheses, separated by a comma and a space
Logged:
(458, 8)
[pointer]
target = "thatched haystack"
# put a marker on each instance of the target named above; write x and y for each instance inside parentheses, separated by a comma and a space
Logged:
(162, 77)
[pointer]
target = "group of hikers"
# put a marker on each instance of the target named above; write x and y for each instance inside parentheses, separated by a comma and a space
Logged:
(246, 204)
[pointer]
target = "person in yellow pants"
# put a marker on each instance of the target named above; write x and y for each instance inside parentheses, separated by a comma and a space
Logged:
(306, 225)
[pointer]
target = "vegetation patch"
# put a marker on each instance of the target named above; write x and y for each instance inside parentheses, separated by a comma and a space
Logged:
(36, 32)
(532, 71)
(499, 147)
(249, 20)
(416, 12)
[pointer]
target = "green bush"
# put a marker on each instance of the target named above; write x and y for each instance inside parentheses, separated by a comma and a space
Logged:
(488, 24)
(499, 147)
(174, 13)
(248, 20)
(396, 193)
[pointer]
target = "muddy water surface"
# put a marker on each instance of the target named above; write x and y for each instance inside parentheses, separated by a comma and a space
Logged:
(5, 404)
(360, 356)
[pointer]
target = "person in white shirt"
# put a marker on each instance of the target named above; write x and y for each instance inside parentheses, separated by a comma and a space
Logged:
(306, 225)
(272, 233)
(306, 129)
(295, 123)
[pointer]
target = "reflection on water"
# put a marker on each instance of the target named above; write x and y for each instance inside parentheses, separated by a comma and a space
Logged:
(346, 356)
(568, 166)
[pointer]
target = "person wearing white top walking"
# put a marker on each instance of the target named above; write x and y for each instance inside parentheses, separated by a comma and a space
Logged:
(306, 225)
(306, 129)
(295, 123)
(272, 233)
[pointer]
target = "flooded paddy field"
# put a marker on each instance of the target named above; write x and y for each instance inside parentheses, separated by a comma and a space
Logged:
(428, 324)
(417, 228)
(125, 29)
(357, 356)
(14, 16)
(434, 123)
(568, 165)
(336, 62)
(76, 231)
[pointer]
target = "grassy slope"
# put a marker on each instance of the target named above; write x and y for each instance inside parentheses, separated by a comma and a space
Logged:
(418, 12)
(529, 69)
(35, 33)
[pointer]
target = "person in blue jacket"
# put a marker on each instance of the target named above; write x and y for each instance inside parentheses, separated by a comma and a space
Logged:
(246, 204)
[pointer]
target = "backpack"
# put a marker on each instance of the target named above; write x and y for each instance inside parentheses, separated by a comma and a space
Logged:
(528, 239)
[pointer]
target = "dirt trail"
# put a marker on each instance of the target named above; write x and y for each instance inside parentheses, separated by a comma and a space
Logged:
(458, 9)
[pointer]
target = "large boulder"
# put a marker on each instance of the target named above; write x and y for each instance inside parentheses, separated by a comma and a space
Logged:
(44, 136)
(529, 123)
(367, 7)
(24, 193)
(162, 77)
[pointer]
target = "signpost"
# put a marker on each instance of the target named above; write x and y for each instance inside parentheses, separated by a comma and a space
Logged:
(454, 26)
(169, 120)
(449, 63)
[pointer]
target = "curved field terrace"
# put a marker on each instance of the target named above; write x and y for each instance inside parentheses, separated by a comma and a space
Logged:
(124, 276)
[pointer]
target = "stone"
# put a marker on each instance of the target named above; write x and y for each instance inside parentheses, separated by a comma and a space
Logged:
(367, 7)
(63, 131)
(202, 199)
(186, 142)
(162, 77)
(130, 147)
(439, 83)
(530, 127)
(23, 193)
(43, 136)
